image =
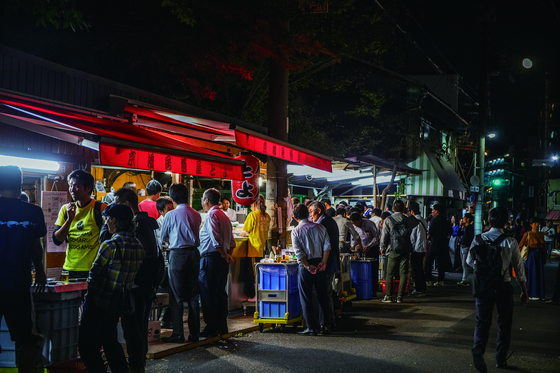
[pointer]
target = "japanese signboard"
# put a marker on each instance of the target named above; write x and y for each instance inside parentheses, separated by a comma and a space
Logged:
(245, 192)
(279, 150)
(113, 155)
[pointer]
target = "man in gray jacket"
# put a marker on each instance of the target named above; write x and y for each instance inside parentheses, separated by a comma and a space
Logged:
(395, 242)
(419, 240)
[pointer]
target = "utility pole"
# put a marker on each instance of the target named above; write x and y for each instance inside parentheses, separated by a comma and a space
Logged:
(277, 169)
(482, 109)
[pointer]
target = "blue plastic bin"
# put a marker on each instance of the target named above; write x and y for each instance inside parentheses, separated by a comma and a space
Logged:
(360, 270)
(363, 289)
(278, 309)
(273, 277)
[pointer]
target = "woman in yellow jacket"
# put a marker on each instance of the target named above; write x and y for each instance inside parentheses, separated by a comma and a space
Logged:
(256, 227)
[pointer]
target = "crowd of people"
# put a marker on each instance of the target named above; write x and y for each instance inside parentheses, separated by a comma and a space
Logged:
(119, 249)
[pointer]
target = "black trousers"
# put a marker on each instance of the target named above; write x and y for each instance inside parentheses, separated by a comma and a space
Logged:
(306, 282)
(135, 326)
(417, 264)
(184, 266)
(212, 282)
(99, 328)
(503, 299)
(442, 255)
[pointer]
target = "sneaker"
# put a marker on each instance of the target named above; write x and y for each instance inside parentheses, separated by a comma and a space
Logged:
(534, 298)
(399, 299)
(463, 283)
(553, 301)
(440, 283)
(387, 299)
(429, 283)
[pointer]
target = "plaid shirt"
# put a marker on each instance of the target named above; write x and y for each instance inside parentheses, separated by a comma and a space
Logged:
(109, 275)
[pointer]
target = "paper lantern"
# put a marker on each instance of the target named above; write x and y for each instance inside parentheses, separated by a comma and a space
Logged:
(245, 192)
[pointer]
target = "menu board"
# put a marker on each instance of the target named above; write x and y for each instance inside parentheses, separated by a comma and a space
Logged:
(51, 203)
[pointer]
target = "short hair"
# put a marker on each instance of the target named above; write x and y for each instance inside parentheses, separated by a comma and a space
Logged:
(295, 200)
(127, 195)
(162, 203)
(469, 217)
(225, 199)
(306, 198)
(398, 206)
(154, 187)
(534, 219)
(11, 178)
(123, 216)
(343, 203)
(498, 216)
(301, 212)
(308, 202)
(179, 193)
(349, 210)
(439, 208)
(340, 211)
(385, 215)
(213, 196)
(377, 211)
(355, 216)
(415, 208)
(326, 200)
(318, 205)
(130, 185)
(84, 178)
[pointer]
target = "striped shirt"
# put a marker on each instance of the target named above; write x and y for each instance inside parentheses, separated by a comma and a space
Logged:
(112, 271)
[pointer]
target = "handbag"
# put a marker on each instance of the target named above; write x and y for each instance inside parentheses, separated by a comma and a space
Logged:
(525, 248)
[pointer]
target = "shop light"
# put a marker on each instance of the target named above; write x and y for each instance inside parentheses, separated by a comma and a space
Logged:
(369, 181)
(260, 180)
(28, 164)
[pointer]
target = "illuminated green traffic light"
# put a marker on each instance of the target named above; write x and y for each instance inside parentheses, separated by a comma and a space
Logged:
(497, 182)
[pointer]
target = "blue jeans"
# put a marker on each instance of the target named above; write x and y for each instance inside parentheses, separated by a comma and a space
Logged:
(135, 326)
(99, 328)
(503, 299)
(548, 245)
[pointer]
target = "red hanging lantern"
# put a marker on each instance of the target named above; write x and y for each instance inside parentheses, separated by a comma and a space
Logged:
(245, 192)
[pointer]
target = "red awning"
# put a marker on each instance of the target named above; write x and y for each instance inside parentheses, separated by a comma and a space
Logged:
(275, 148)
(118, 138)
(553, 215)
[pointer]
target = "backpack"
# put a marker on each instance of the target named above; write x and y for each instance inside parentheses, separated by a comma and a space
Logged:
(487, 257)
(400, 236)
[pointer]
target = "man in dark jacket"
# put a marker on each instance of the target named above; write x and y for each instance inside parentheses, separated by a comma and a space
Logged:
(439, 232)
(317, 211)
(135, 326)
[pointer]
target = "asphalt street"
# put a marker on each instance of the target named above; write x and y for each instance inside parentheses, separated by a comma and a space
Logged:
(430, 334)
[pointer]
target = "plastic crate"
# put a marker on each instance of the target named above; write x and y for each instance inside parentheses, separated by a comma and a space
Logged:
(360, 270)
(278, 309)
(395, 286)
(273, 277)
(58, 322)
(363, 289)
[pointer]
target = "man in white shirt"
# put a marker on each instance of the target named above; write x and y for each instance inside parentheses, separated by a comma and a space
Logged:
(312, 245)
(230, 213)
(344, 226)
(376, 217)
(502, 298)
(549, 232)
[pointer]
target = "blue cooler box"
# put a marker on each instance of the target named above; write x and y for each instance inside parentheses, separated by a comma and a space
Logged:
(279, 292)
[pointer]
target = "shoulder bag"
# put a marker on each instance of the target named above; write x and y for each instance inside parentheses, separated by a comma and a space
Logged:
(525, 248)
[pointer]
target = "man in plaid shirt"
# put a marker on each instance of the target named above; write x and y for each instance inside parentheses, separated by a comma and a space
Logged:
(114, 268)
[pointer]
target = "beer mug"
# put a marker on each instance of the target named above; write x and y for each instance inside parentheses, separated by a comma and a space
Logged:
(64, 276)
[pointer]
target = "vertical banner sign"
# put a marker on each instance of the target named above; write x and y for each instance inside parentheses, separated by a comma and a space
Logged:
(51, 203)
(245, 192)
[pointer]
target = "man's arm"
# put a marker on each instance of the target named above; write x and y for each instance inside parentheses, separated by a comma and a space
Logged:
(385, 236)
(60, 234)
(326, 250)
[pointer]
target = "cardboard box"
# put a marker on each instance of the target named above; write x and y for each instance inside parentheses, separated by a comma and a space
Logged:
(154, 331)
(162, 300)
